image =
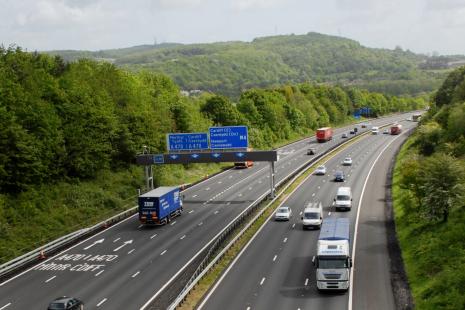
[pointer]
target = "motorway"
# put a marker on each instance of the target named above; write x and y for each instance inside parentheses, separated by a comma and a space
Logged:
(127, 265)
(275, 271)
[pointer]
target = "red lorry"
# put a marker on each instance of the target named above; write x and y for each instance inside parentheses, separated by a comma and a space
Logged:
(396, 129)
(324, 134)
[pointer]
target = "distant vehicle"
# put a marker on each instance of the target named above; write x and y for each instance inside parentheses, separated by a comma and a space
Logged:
(324, 134)
(321, 170)
(396, 129)
(343, 199)
(243, 164)
(386, 131)
(333, 261)
(312, 216)
(355, 129)
(159, 205)
(339, 176)
(364, 125)
(66, 303)
(283, 214)
(347, 161)
(344, 135)
(416, 117)
(352, 132)
(374, 130)
(311, 151)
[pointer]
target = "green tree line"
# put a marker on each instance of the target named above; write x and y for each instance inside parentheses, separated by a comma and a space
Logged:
(429, 199)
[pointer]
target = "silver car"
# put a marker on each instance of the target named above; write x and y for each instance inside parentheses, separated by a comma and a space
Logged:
(347, 161)
(321, 170)
(283, 214)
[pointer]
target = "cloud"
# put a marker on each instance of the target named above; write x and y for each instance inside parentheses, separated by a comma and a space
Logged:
(243, 5)
(444, 5)
(177, 4)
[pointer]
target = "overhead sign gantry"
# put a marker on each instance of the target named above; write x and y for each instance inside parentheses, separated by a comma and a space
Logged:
(221, 144)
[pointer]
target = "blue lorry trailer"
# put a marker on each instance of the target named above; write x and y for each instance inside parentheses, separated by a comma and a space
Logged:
(159, 205)
(335, 229)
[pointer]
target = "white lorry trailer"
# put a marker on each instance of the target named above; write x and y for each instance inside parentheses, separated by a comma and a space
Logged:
(333, 261)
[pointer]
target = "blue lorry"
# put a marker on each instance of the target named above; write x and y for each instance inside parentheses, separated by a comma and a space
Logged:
(159, 205)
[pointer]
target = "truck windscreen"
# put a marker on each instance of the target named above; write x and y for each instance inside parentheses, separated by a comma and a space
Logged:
(331, 263)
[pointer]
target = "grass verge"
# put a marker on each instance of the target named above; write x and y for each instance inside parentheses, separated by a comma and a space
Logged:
(433, 252)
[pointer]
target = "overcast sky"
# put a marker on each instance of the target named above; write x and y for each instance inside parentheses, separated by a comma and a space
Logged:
(419, 25)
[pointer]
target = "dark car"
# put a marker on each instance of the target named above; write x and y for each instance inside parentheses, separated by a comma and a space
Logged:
(339, 176)
(311, 151)
(66, 303)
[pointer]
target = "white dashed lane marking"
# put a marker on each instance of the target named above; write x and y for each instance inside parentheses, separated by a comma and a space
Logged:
(153, 236)
(262, 281)
(50, 279)
(135, 275)
(116, 239)
(274, 258)
(99, 273)
(162, 253)
(101, 303)
(182, 237)
(131, 251)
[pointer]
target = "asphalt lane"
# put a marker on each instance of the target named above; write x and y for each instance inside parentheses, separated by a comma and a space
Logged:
(134, 262)
(275, 271)
(372, 257)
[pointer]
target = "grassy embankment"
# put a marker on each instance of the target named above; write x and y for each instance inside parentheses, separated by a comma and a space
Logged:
(433, 252)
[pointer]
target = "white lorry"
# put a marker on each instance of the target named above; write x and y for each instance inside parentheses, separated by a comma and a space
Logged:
(333, 261)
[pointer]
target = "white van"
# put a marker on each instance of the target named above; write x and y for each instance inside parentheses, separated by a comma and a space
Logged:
(312, 216)
(375, 130)
(343, 198)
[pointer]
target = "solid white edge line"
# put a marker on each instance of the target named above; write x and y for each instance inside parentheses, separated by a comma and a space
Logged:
(351, 288)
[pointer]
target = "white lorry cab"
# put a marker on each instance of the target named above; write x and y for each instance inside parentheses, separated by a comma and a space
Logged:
(343, 199)
(333, 261)
(312, 216)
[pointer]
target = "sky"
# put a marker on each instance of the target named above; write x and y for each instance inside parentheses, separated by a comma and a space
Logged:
(422, 26)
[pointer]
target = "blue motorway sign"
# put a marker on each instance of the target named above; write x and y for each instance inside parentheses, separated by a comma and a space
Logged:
(186, 141)
(229, 137)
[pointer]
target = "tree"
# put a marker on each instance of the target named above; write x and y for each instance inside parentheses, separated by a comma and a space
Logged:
(441, 182)
(221, 111)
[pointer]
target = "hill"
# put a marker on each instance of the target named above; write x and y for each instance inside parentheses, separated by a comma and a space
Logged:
(231, 67)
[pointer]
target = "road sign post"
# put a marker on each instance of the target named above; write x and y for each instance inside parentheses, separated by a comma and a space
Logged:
(272, 179)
